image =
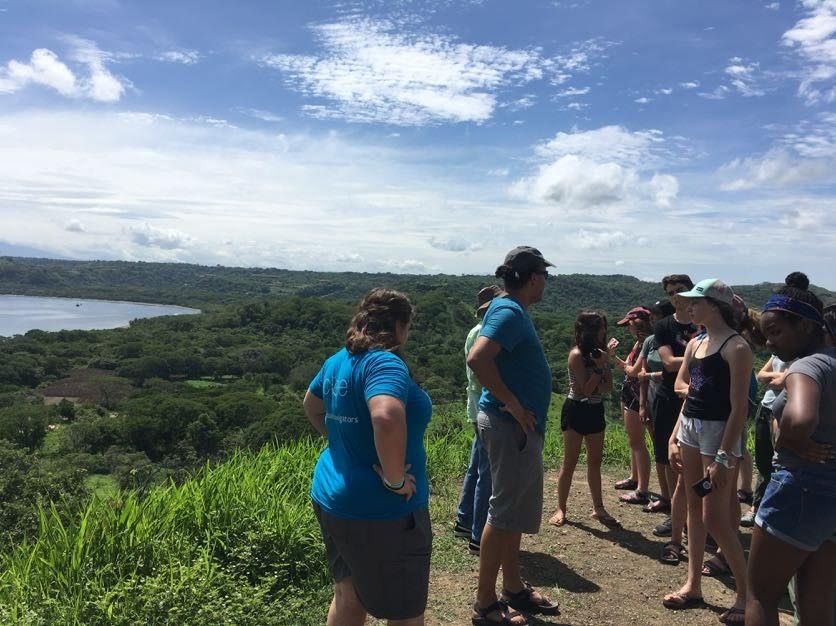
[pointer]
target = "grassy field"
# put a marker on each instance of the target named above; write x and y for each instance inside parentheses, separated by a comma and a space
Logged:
(237, 544)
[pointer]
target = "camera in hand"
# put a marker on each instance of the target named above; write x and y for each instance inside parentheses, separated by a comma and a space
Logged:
(703, 487)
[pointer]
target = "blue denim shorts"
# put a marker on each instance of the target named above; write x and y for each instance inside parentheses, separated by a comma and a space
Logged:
(799, 506)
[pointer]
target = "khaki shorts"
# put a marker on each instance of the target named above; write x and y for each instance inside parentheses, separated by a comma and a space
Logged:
(516, 459)
(388, 560)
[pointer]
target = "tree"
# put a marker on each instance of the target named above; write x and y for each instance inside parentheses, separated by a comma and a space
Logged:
(24, 425)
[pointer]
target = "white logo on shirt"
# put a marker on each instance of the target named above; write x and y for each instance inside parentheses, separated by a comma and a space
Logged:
(335, 387)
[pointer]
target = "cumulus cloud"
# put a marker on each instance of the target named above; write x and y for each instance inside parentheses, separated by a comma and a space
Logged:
(372, 71)
(47, 69)
(152, 237)
(642, 100)
(692, 84)
(814, 38)
(605, 167)
(777, 168)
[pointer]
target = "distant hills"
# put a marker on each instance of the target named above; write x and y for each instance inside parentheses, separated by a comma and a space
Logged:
(198, 285)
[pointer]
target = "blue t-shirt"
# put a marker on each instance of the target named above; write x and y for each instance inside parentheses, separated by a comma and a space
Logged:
(344, 481)
(521, 362)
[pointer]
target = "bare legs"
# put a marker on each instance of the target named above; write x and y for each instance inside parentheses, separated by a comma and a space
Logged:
(594, 455)
(640, 458)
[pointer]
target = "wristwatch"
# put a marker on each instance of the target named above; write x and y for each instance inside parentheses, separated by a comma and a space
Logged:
(394, 487)
(722, 457)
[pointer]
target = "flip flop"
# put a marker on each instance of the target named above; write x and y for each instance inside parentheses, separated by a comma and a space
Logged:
(607, 520)
(671, 553)
(658, 506)
(679, 602)
(715, 567)
(724, 617)
(635, 497)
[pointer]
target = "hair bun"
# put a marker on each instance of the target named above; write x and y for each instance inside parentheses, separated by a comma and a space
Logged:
(798, 280)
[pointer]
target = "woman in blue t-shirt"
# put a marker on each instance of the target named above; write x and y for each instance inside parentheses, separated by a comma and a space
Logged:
(370, 490)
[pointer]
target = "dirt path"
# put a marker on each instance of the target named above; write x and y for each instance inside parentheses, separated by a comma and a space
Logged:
(599, 576)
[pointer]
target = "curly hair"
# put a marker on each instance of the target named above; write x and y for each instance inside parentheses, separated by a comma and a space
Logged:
(374, 325)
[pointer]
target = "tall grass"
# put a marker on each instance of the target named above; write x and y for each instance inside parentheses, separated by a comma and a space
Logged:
(237, 544)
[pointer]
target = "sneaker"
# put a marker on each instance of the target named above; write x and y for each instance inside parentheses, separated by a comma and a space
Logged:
(747, 520)
(461, 531)
(473, 547)
(664, 529)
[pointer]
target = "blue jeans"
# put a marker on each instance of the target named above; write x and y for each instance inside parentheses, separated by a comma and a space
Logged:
(476, 491)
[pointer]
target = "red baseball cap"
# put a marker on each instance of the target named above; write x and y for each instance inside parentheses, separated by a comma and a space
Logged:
(635, 313)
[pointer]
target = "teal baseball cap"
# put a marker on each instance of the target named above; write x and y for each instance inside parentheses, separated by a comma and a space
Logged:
(713, 288)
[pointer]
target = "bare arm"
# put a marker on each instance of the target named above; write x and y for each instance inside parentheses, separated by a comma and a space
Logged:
(672, 363)
(482, 360)
(389, 426)
(586, 381)
(314, 409)
(683, 376)
(769, 377)
(633, 370)
(801, 413)
(739, 357)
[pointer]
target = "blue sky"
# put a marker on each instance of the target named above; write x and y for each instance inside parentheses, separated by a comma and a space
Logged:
(640, 137)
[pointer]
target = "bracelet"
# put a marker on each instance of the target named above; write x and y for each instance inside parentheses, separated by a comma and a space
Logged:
(392, 487)
(722, 457)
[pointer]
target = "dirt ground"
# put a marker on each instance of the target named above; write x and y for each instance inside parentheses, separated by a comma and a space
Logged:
(599, 576)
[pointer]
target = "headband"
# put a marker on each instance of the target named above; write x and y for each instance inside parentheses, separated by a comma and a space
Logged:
(780, 302)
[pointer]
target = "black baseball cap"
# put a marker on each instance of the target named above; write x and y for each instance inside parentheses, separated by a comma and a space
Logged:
(526, 259)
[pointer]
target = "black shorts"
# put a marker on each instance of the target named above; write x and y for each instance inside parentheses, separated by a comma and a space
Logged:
(666, 408)
(388, 560)
(629, 398)
(584, 418)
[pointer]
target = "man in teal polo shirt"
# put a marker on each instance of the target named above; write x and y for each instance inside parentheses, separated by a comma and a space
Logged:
(509, 361)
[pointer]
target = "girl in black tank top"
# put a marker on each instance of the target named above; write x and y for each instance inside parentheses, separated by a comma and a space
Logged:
(709, 389)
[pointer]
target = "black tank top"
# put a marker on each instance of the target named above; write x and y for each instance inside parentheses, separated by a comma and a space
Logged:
(709, 389)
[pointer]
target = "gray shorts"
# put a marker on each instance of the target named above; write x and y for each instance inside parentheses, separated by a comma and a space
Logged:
(388, 560)
(706, 436)
(516, 459)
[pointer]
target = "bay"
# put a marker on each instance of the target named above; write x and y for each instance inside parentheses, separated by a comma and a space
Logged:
(19, 314)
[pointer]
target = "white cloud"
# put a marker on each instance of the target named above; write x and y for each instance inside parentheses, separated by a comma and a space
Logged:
(573, 91)
(453, 244)
(167, 239)
(642, 100)
(665, 91)
(814, 37)
(608, 143)
(692, 84)
(577, 106)
(46, 68)
(773, 6)
(664, 189)
(371, 71)
(596, 240)
(260, 114)
(619, 263)
(75, 226)
(718, 93)
(184, 57)
(777, 168)
(743, 77)
(607, 167)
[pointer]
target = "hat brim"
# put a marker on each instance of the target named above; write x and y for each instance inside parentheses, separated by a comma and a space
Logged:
(693, 293)
(483, 307)
(625, 321)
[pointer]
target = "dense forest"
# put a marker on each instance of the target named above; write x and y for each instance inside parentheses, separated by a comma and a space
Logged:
(126, 410)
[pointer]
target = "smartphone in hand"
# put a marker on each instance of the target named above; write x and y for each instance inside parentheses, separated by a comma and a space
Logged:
(703, 487)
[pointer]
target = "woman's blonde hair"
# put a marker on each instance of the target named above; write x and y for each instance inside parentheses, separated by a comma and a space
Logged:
(374, 325)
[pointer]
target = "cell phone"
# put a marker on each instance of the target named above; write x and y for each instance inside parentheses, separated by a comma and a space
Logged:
(703, 487)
